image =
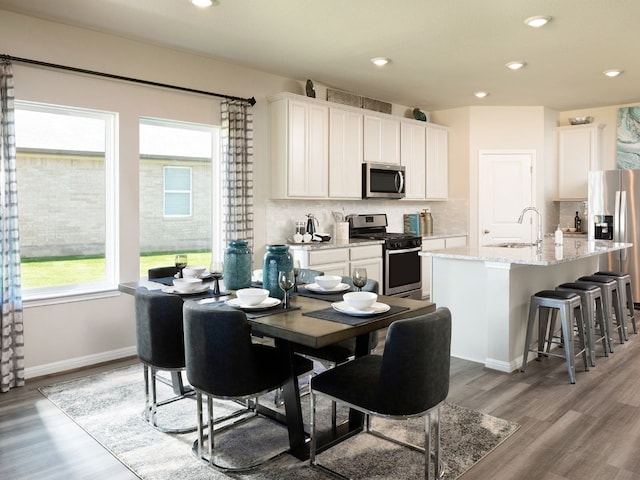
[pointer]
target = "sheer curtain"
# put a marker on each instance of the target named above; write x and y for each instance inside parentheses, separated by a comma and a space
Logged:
(237, 170)
(12, 357)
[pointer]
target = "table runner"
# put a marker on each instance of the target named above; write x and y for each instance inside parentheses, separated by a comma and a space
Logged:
(335, 316)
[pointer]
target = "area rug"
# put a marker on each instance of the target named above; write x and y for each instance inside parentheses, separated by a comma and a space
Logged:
(108, 406)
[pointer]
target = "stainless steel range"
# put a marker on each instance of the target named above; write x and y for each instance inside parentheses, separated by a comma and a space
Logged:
(401, 272)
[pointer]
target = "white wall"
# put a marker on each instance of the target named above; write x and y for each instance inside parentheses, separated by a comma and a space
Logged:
(76, 333)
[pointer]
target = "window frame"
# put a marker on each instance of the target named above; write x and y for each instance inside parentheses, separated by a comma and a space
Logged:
(44, 295)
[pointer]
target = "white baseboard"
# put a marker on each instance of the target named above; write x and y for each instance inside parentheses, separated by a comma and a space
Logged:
(501, 366)
(78, 362)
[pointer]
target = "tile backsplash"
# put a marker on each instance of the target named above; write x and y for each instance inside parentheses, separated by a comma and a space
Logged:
(568, 212)
(448, 217)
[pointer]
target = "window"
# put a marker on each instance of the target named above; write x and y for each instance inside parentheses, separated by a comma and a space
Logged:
(67, 206)
(179, 193)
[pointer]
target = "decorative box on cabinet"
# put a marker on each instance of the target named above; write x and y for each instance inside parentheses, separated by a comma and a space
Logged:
(579, 149)
(299, 148)
(381, 139)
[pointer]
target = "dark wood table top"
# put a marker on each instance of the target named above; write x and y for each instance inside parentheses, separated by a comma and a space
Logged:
(313, 332)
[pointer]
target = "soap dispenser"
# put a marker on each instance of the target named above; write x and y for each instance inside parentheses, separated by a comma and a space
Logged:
(559, 236)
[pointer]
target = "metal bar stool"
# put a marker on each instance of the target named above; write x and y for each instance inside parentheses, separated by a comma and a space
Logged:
(611, 302)
(624, 286)
(593, 313)
(569, 306)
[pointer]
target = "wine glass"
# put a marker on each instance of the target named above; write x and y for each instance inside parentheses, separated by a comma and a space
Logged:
(286, 280)
(296, 272)
(359, 278)
(217, 267)
(181, 262)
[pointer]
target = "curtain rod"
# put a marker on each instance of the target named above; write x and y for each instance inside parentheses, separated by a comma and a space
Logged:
(251, 101)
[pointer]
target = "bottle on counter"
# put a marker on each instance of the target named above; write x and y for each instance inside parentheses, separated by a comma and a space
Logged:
(577, 222)
(428, 222)
(558, 236)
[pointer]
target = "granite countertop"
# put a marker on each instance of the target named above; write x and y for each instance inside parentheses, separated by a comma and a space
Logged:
(550, 254)
(352, 242)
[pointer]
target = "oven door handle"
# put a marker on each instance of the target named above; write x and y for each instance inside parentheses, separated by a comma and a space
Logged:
(406, 250)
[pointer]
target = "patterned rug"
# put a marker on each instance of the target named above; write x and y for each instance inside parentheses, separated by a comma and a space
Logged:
(108, 406)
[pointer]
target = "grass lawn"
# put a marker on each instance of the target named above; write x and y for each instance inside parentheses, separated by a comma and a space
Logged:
(49, 273)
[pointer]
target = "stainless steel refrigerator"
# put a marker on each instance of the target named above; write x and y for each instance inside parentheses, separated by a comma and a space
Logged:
(614, 214)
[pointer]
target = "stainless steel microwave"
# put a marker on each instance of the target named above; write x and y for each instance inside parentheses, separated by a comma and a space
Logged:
(381, 180)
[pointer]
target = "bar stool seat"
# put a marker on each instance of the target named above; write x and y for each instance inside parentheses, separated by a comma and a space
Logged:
(611, 302)
(593, 313)
(569, 306)
(624, 287)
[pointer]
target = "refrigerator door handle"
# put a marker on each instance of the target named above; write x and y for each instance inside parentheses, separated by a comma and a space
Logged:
(621, 216)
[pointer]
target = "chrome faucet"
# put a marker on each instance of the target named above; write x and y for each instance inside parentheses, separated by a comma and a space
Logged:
(534, 209)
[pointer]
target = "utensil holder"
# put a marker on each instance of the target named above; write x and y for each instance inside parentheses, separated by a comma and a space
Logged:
(342, 231)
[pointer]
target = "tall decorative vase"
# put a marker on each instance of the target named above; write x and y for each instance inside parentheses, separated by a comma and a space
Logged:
(276, 258)
(237, 265)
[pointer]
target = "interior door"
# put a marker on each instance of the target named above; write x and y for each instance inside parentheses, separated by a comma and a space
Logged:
(505, 188)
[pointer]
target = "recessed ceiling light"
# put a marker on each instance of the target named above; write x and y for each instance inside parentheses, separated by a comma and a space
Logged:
(481, 94)
(205, 3)
(380, 61)
(537, 21)
(515, 65)
(612, 73)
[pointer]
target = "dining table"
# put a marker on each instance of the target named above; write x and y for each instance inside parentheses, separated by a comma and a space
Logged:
(313, 321)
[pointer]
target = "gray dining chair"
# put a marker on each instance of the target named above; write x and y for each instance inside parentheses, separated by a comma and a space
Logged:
(340, 352)
(162, 272)
(223, 363)
(308, 275)
(160, 347)
(410, 379)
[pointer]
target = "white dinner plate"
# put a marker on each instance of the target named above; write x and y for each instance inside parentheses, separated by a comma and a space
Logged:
(270, 302)
(314, 287)
(374, 309)
(200, 289)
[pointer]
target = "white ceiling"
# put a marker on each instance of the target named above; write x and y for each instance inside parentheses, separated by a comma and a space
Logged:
(441, 50)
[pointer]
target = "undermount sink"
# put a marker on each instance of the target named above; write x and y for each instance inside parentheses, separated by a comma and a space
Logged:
(514, 245)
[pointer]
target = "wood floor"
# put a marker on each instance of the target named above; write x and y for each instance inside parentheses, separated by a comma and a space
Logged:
(590, 430)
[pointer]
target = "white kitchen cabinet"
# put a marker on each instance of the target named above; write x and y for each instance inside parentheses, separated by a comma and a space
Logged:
(342, 261)
(299, 148)
(345, 153)
(413, 158)
(436, 244)
(437, 162)
(381, 139)
(578, 149)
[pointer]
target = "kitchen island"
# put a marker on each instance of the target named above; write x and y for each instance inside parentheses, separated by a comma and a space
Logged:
(488, 290)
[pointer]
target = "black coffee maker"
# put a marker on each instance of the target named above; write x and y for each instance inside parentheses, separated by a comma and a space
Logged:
(603, 227)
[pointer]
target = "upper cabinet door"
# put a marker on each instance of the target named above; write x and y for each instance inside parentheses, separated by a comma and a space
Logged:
(578, 150)
(345, 153)
(437, 162)
(299, 145)
(381, 139)
(413, 158)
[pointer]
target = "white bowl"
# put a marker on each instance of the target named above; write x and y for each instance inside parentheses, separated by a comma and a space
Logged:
(187, 284)
(360, 300)
(572, 229)
(252, 296)
(193, 272)
(327, 282)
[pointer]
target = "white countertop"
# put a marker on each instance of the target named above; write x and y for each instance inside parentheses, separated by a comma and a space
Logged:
(550, 254)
